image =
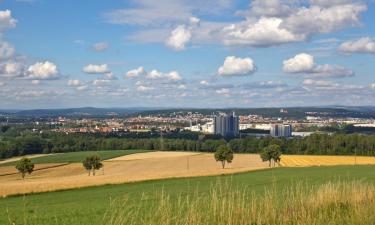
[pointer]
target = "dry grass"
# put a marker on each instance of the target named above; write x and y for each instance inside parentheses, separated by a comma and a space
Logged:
(331, 203)
(122, 171)
(150, 166)
(309, 160)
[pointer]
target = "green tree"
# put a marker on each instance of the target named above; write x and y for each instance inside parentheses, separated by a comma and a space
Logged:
(92, 163)
(271, 153)
(224, 154)
(25, 166)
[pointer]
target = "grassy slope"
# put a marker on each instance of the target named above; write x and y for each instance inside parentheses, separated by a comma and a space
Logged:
(87, 205)
(72, 157)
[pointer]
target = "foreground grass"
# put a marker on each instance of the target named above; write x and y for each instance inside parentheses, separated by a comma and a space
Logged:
(330, 203)
(72, 157)
(88, 205)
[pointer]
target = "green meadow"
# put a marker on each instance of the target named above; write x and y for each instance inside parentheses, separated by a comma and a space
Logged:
(105, 204)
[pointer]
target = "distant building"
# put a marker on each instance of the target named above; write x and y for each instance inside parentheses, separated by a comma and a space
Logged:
(226, 125)
(281, 130)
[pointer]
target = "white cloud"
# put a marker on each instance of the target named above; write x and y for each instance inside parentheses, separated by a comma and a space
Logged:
(272, 23)
(82, 88)
(234, 66)
(96, 69)
(74, 83)
(271, 8)
(6, 20)
(100, 46)
(11, 69)
(301, 63)
(2, 83)
(140, 71)
(362, 45)
(322, 20)
(178, 38)
(194, 20)
(304, 64)
(101, 82)
(35, 82)
(223, 91)
(173, 75)
(182, 86)
(320, 83)
(6, 50)
(142, 88)
(372, 86)
(265, 32)
(204, 82)
(42, 71)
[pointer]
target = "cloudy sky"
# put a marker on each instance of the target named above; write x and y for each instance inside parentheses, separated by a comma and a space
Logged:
(186, 53)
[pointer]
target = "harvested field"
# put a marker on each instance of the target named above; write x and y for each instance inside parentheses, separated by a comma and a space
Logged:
(156, 165)
(310, 160)
(150, 166)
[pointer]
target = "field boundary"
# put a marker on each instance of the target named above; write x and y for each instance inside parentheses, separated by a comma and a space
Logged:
(44, 168)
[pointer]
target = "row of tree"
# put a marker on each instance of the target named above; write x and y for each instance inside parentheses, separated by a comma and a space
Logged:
(317, 144)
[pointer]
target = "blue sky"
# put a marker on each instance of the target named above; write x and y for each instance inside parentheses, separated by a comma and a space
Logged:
(186, 53)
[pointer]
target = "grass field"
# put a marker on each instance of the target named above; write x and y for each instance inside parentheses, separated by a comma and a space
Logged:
(72, 157)
(88, 205)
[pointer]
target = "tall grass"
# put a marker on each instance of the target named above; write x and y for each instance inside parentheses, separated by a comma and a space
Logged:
(330, 203)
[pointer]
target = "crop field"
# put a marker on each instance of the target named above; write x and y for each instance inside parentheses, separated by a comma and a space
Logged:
(72, 157)
(310, 160)
(145, 199)
(135, 167)
(68, 173)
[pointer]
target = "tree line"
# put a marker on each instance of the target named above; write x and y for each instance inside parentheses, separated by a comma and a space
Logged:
(316, 144)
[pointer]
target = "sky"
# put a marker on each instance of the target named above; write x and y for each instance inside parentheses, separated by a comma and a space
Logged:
(186, 53)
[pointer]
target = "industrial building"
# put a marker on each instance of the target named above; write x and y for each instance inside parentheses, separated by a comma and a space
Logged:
(281, 130)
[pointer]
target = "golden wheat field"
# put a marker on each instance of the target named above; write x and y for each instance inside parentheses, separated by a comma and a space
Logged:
(150, 166)
(310, 160)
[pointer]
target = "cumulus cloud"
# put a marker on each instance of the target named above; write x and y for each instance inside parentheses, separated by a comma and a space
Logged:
(204, 82)
(301, 63)
(96, 69)
(223, 91)
(100, 46)
(140, 71)
(271, 8)
(142, 88)
(274, 23)
(305, 64)
(74, 83)
(265, 32)
(6, 20)
(35, 82)
(101, 82)
(178, 38)
(172, 75)
(234, 66)
(194, 20)
(6, 50)
(42, 71)
(361, 45)
(11, 69)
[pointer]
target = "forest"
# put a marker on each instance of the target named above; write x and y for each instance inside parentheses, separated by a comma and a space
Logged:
(17, 143)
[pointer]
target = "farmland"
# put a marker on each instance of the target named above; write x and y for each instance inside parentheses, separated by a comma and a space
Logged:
(72, 157)
(65, 172)
(88, 205)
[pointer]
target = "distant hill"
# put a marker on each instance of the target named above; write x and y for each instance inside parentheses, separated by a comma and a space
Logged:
(75, 112)
(287, 112)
